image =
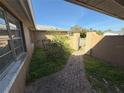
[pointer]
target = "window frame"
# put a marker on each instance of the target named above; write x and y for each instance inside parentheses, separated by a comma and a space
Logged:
(12, 48)
(20, 38)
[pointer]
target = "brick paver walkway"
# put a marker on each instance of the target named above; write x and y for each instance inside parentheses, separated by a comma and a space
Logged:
(70, 80)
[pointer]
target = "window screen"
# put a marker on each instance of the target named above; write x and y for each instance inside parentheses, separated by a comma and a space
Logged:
(11, 41)
(6, 56)
(14, 26)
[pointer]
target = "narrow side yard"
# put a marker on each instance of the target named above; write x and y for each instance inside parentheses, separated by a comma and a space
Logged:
(41, 65)
(71, 79)
(49, 59)
(104, 77)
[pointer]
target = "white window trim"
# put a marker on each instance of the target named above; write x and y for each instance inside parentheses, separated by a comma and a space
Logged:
(13, 70)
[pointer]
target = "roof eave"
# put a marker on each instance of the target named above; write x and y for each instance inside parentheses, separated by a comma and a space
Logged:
(78, 2)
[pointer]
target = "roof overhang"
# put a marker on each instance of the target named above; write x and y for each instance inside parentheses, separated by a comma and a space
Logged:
(22, 9)
(113, 8)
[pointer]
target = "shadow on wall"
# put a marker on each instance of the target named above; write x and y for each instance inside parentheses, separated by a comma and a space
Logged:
(108, 48)
(73, 40)
(39, 36)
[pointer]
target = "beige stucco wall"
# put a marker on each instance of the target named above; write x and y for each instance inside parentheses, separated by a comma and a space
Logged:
(111, 49)
(73, 40)
(19, 84)
(108, 48)
(29, 44)
(91, 40)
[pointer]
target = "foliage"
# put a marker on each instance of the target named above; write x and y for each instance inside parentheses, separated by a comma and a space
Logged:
(76, 28)
(83, 31)
(45, 62)
(82, 35)
(61, 40)
(122, 29)
(99, 32)
(103, 76)
(108, 30)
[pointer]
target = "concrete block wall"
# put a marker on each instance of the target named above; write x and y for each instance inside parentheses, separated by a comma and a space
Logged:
(73, 40)
(108, 48)
(91, 40)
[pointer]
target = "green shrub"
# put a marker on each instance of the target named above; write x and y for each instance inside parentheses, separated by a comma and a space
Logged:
(48, 61)
(82, 35)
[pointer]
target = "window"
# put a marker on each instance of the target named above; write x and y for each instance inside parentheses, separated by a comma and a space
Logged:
(16, 36)
(11, 41)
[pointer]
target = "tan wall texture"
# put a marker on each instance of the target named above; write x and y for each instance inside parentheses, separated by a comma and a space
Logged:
(108, 48)
(73, 40)
(19, 84)
(29, 44)
(91, 40)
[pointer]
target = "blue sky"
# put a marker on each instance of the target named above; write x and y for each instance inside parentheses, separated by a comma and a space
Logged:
(63, 14)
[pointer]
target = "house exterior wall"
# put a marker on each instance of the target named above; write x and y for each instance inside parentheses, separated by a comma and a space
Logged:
(15, 83)
(21, 9)
(73, 40)
(27, 35)
(19, 84)
(108, 48)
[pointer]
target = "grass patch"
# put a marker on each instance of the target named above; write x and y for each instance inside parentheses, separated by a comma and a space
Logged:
(42, 66)
(50, 59)
(104, 77)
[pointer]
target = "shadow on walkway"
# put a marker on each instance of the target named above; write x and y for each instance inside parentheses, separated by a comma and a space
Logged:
(69, 80)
